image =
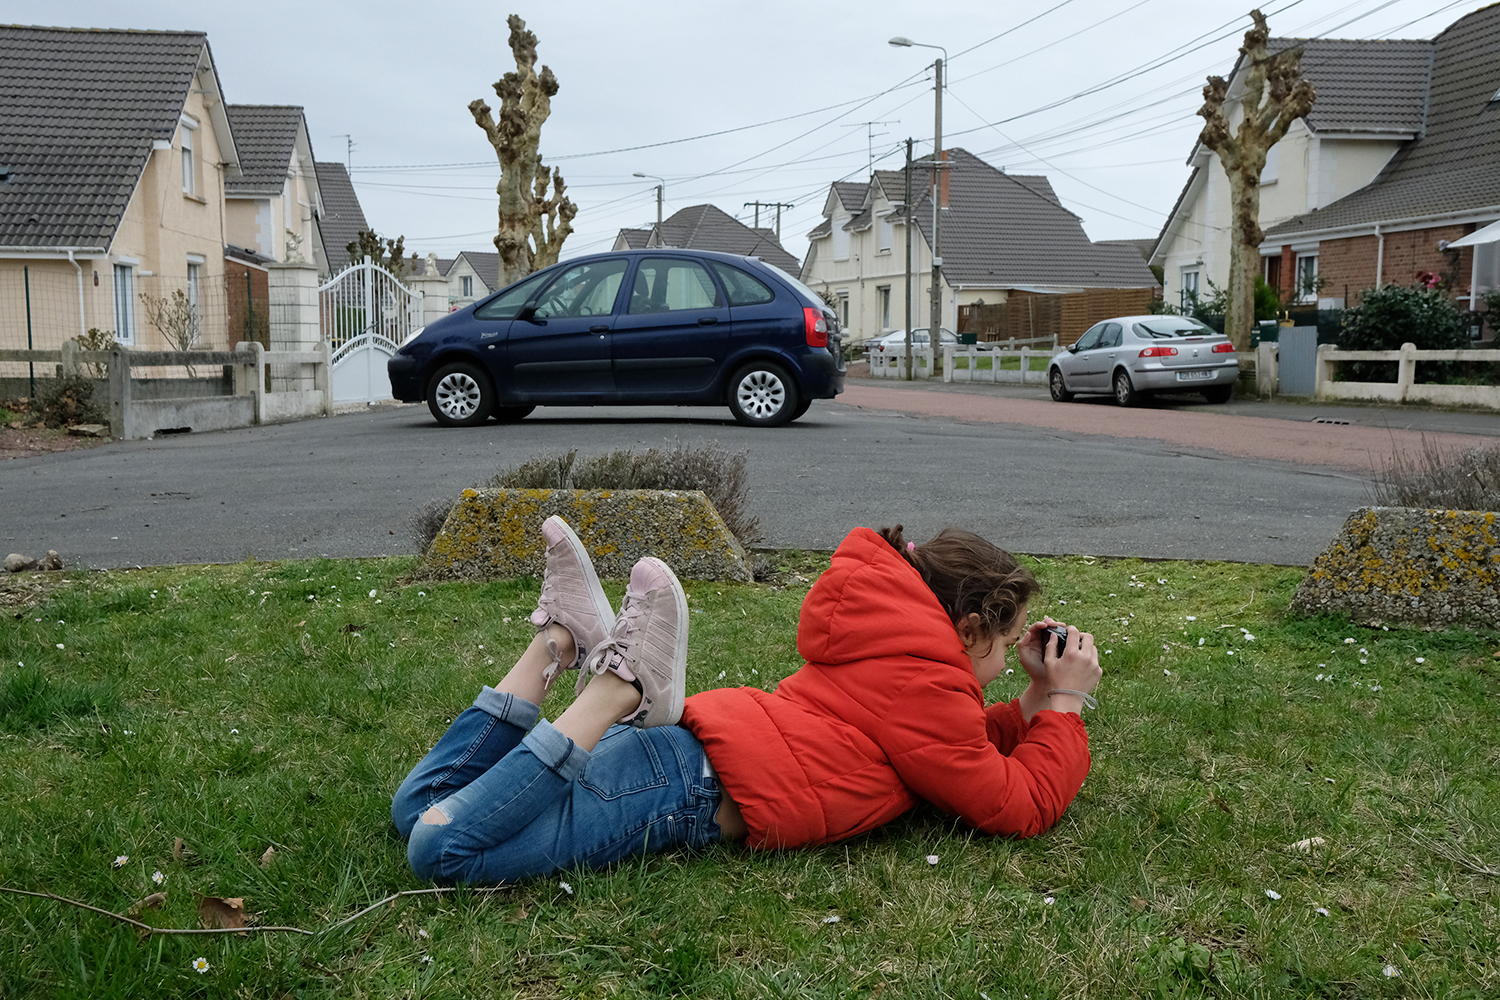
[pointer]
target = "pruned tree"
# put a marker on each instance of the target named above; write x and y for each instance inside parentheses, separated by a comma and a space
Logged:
(533, 224)
(176, 318)
(1272, 99)
(383, 251)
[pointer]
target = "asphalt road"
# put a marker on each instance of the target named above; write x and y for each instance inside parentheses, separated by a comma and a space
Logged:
(347, 486)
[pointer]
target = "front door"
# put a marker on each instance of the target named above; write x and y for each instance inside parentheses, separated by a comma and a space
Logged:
(1075, 363)
(672, 335)
(562, 347)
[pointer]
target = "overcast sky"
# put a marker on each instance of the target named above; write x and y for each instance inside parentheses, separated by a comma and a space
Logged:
(798, 80)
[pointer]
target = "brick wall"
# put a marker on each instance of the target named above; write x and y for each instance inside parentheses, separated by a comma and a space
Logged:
(1350, 263)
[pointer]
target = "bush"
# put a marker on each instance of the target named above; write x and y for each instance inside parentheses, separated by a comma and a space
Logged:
(69, 400)
(1394, 315)
(1435, 478)
(711, 468)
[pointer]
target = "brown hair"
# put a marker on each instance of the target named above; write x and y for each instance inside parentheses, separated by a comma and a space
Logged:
(970, 575)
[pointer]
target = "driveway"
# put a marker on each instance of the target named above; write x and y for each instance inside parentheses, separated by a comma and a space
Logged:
(1167, 481)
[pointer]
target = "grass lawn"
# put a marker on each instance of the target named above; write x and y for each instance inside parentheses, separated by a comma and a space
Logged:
(263, 706)
(1010, 363)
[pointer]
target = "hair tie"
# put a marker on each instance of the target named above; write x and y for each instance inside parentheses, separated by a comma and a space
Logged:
(911, 546)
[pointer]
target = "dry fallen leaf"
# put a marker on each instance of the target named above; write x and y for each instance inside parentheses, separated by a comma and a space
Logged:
(151, 902)
(179, 849)
(214, 911)
(1306, 846)
(353, 628)
(268, 857)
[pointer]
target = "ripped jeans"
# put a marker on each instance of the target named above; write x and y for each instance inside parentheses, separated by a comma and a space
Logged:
(521, 799)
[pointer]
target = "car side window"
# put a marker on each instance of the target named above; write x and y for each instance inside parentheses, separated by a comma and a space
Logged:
(742, 289)
(585, 290)
(509, 302)
(666, 284)
(1111, 335)
(1090, 340)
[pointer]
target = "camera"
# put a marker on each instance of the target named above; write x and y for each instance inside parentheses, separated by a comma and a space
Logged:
(1061, 631)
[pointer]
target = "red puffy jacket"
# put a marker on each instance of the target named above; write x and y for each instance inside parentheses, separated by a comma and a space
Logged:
(885, 712)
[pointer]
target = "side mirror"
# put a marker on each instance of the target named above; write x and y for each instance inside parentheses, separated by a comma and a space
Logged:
(527, 311)
(1073, 348)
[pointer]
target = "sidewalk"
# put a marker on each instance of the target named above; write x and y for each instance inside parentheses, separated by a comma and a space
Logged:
(1279, 430)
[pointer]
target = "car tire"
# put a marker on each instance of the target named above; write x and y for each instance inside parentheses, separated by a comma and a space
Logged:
(1125, 391)
(1058, 387)
(762, 394)
(802, 408)
(510, 414)
(1218, 394)
(460, 395)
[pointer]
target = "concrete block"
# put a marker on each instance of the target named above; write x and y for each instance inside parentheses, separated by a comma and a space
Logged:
(1401, 564)
(496, 534)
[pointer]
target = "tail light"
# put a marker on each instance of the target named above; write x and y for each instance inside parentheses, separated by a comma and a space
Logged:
(1158, 352)
(816, 325)
(1225, 348)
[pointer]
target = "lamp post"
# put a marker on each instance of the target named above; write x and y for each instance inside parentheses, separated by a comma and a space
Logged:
(902, 42)
(659, 188)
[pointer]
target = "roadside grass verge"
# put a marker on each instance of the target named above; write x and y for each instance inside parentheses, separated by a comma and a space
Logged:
(278, 705)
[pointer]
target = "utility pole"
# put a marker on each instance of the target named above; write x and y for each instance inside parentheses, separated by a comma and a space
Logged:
(659, 188)
(906, 293)
(778, 205)
(937, 188)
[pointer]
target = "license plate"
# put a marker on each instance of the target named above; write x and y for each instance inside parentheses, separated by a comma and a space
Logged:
(1193, 376)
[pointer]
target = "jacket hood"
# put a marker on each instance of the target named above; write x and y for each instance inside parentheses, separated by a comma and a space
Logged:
(872, 603)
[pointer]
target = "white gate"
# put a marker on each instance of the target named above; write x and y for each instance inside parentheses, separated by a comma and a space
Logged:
(365, 314)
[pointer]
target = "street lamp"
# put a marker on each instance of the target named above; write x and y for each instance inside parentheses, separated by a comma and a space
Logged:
(659, 189)
(902, 42)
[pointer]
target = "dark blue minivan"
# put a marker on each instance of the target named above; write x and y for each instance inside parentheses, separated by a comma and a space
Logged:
(658, 326)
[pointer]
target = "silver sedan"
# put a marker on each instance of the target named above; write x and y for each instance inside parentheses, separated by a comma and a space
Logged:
(1131, 356)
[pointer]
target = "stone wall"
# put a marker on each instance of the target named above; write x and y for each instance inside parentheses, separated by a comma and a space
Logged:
(496, 534)
(1400, 564)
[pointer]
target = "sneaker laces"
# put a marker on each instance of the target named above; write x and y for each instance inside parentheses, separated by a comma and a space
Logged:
(542, 617)
(611, 654)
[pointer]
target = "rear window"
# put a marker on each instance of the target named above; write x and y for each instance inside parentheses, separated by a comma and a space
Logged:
(742, 288)
(1175, 326)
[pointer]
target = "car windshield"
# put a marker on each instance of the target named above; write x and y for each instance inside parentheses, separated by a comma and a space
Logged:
(1176, 326)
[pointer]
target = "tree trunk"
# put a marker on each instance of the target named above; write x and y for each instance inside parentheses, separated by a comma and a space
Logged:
(1244, 255)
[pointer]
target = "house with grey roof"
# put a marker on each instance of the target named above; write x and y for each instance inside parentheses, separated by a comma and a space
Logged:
(472, 275)
(1004, 240)
(1398, 158)
(272, 207)
(708, 227)
(115, 150)
(342, 218)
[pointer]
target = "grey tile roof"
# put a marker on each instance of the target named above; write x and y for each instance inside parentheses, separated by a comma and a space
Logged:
(266, 136)
(1141, 246)
(342, 218)
(707, 227)
(486, 265)
(1374, 85)
(635, 239)
(1004, 230)
(79, 110)
(861, 221)
(851, 193)
(1454, 166)
(821, 229)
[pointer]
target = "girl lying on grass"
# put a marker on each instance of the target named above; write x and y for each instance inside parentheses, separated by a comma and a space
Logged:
(900, 641)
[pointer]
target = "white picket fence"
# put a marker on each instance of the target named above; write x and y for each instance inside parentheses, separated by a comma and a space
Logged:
(998, 355)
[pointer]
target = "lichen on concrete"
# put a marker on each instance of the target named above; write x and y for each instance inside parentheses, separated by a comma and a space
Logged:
(496, 534)
(1403, 564)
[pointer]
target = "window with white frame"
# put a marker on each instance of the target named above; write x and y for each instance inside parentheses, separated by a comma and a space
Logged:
(1189, 293)
(883, 292)
(1269, 171)
(885, 228)
(1307, 277)
(189, 168)
(125, 303)
(195, 315)
(466, 286)
(844, 309)
(840, 240)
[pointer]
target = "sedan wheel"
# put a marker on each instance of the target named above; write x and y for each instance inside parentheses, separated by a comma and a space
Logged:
(1218, 394)
(763, 395)
(1060, 393)
(459, 395)
(1125, 393)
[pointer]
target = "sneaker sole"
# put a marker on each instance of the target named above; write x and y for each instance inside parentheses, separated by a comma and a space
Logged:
(679, 653)
(590, 578)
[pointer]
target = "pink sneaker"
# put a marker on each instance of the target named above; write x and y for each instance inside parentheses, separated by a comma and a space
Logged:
(648, 645)
(571, 597)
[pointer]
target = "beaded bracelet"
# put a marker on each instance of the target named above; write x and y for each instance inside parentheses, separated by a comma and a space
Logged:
(1088, 700)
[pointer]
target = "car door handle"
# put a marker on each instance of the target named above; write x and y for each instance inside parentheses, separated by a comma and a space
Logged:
(599, 328)
(707, 320)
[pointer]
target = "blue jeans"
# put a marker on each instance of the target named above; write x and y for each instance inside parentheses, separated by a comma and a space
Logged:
(524, 803)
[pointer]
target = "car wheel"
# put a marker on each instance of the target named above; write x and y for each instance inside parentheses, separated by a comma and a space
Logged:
(762, 394)
(1219, 393)
(1125, 393)
(459, 395)
(801, 408)
(510, 414)
(1060, 393)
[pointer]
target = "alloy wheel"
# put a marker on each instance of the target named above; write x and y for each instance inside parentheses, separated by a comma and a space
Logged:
(761, 394)
(458, 395)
